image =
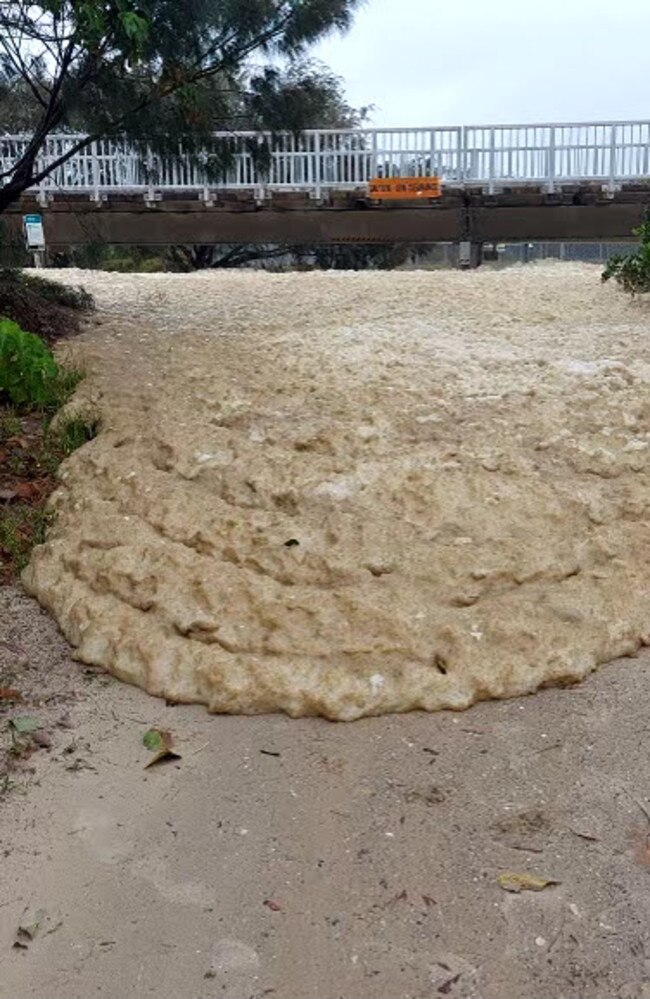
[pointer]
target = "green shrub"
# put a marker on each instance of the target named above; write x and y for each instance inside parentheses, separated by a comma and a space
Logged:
(29, 375)
(632, 271)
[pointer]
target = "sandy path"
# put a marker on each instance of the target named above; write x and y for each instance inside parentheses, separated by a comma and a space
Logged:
(349, 494)
(381, 842)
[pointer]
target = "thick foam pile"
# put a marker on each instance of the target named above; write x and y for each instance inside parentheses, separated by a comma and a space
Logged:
(348, 494)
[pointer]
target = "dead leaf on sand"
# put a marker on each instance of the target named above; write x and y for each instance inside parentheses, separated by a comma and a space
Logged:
(511, 881)
(10, 694)
(160, 742)
(641, 845)
(21, 491)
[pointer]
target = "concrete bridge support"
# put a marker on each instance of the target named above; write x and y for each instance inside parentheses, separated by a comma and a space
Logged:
(470, 254)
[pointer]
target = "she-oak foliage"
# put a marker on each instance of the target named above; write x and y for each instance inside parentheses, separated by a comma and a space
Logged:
(632, 271)
(153, 71)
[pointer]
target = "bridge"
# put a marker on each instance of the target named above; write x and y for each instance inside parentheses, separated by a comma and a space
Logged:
(505, 183)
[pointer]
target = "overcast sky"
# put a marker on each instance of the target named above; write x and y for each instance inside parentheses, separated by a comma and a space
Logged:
(441, 62)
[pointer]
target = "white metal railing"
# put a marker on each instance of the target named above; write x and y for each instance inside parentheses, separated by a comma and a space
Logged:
(316, 161)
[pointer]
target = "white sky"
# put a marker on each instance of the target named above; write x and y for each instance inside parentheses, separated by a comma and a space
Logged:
(446, 62)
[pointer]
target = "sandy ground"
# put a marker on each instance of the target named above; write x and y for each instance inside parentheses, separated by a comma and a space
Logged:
(351, 494)
(378, 845)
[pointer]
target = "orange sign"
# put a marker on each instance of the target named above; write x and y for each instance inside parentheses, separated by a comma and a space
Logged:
(405, 188)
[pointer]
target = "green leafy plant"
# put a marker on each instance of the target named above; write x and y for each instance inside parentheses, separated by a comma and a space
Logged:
(30, 377)
(28, 371)
(632, 271)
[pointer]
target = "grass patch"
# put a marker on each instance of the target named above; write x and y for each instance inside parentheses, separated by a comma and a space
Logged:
(22, 527)
(72, 432)
(9, 424)
(7, 784)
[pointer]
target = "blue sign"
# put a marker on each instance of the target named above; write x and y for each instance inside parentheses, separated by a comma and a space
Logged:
(34, 232)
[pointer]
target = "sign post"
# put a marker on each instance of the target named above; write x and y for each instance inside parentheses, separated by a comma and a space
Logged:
(35, 237)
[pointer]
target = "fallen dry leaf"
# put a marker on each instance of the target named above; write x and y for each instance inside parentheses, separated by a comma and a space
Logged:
(160, 743)
(27, 490)
(641, 843)
(510, 881)
(273, 906)
(10, 694)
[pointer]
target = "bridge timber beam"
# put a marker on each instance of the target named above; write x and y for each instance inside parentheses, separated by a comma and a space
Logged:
(476, 217)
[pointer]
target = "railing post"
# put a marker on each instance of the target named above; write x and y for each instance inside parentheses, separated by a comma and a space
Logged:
(491, 163)
(611, 186)
(318, 193)
(432, 153)
(41, 162)
(550, 180)
(95, 170)
(149, 196)
(44, 197)
(375, 165)
(259, 180)
(462, 156)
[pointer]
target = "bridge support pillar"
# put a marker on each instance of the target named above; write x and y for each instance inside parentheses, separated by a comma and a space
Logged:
(470, 255)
